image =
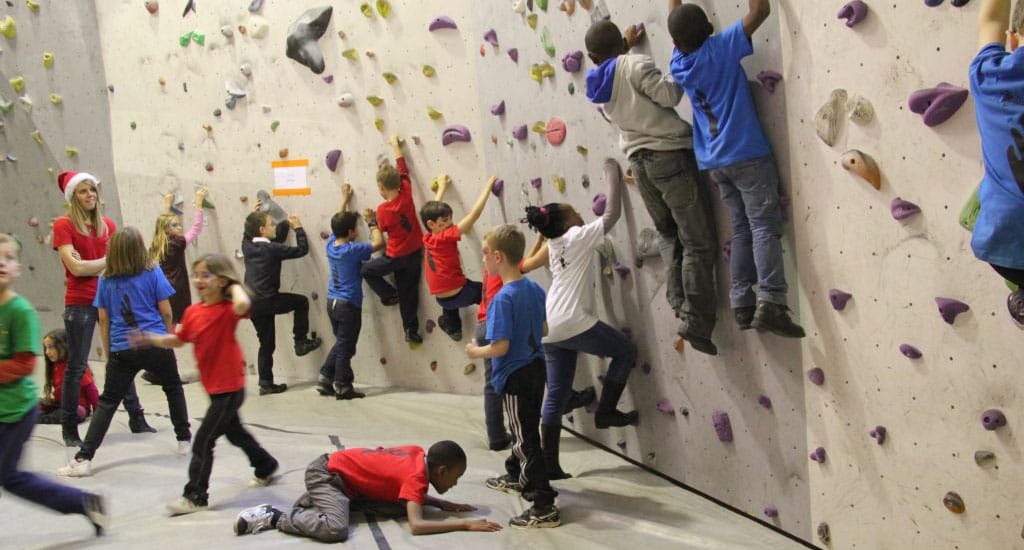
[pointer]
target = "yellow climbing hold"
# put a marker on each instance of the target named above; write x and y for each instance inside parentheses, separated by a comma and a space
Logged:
(37, 136)
(531, 20)
(18, 83)
(383, 8)
(376, 101)
(47, 60)
(540, 70)
(32, 5)
(56, 99)
(351, 53)
(8, 28)
(429, 71)
(379, 123)
(535, 73)
(70, 151)
(559, 183)
(582, 150)
(366, 9)
(540, 127)
(547, 70)
(433, 184)
(390, 77)
(433, 113)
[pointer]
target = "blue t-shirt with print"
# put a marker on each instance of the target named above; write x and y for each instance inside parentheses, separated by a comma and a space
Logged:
(726, 129)
(131, 304)
(516, 314)
(346, 260)
(997, 82)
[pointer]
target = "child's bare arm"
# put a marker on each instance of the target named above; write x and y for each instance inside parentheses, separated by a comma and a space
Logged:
(756, 15)
(140, 339)
(396, 146)
(443, 181)
(168, 202)
(466, 225)
(420, 526)
(538, 257)
(993, 21)
(346, 196)
(376, 236)
(496, 348)
(103, 319)
(240, 301)
(166, 314)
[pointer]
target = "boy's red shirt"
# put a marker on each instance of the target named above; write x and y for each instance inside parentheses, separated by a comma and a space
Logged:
(397, 218)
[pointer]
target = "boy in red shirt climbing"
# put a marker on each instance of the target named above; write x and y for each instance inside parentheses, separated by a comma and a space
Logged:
(445, 278)
(358, 477)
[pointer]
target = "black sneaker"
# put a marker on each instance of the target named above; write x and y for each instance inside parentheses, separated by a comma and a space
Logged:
(453, 334)
(505, 484)
(325, 389)
(95, 509)
(775, 319)
(537, 517)
(150, 377)
(744, 316)
(273, 388)
(1015, 305)
(413, 336)
(302, 347)
(347, 392)
(580, 399)
(501, 444)
(699, 343)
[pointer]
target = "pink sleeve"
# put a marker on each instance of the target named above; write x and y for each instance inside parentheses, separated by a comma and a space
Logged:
(196, 229)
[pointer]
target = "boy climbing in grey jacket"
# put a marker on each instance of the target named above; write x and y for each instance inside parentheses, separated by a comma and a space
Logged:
(640, 101)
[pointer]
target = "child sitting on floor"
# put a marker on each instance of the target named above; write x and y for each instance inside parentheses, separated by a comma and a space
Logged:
(55, 352)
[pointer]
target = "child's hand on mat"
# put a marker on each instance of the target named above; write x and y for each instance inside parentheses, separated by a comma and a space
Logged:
(482, 525)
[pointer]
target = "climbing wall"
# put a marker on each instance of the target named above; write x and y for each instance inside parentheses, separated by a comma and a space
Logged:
(54, 116)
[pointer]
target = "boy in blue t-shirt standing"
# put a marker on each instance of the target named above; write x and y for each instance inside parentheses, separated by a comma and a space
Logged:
(997, 83)
(733, 151)
(345, 296)
(515, 326)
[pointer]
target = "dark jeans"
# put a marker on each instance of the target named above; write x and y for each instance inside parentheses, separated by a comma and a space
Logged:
(494, 417)
(679, 205)
(79, 323)
(122, 367)
(29, 486)
(222, 419)
(346, 323)
(600, 340)
(262, 316)
(1015, 276)
(522, 397)
(407, 270)
(451, 320)
(750, 190)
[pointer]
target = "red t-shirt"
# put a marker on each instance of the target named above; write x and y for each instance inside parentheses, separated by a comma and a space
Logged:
(441, 261)
(385, 474)
(397, 217)
(88, 393)
(80, 290)
(211, 330)
(492, 284)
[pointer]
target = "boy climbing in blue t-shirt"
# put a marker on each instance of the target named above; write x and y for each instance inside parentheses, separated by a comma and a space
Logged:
(733, 151)
(997, 83)
(345, 295)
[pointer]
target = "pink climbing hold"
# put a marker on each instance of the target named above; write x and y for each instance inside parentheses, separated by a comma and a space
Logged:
(839, 298)
(454, 133)
(499, 108)
(333, 156)
(769, 80)
(324, 235)
(33, 222)
(993, 419)
(519, 132)
(878, 434)
(665, 407)
(950, 308)
(818, 455)
(910, 351)
(573, 61)
(556, 131)
(497, 188)
(771, 512)
(513, 54)
(491, 37)
(442, 22)
(816, 376)
(720, 419)
(599, 203)
(765, 401)
(535, 183)
(854, 12)
(936, 105)
(902, 209)
(621, 269)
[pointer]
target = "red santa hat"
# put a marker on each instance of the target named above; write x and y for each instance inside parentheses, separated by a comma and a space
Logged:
(68, 182)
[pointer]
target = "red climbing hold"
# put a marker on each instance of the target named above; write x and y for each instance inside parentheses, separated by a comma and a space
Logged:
(556, 131)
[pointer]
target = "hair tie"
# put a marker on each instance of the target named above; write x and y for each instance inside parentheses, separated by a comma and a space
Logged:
(544, 210)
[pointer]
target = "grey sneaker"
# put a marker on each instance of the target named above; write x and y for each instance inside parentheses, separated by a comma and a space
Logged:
(535, 518)
(1015, 305)
(505, 484)
(258, 518)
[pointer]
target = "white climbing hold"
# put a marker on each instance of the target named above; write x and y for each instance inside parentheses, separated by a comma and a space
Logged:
(260, 27)
(861, 110)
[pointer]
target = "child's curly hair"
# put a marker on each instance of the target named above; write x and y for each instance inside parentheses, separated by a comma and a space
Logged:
(551, 220)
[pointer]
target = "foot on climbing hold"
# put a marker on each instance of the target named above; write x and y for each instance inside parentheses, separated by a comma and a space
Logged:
(878, 434)
(555, 130)
(838, 298)
(498, 109)
(853, 12)
(513, 54)
(769, 80)
(950, 308)
(993, 419)
(491, 37)
(954, 503)
(573, 61)
(599, 203)
(519, 132)
(826, 120)
(333, 156)
(816, 376)
(442, 22)
(863, 165)
(861, 110)
(910, 351)
(936, 105)
(723, 428)
(818, 455)
(984, 458)
(902, 209)
(303, 36)
(454, 133)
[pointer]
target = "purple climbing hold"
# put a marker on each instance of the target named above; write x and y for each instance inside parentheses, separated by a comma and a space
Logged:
(429, 326)
(442, 22)
(853, 12)
(535, 183)
(573, 61)
(329, 78)
(769, 80)
(902, 209)
(771, 512)
(498, 109)
(838, 298)
(497, 188)
(622, 270)
(727, 251)
(818, 455)
(816, 376)
(932, 3)
(621, 444)
(765, 401)
(936, 105)
(314, 296)
(325, 235)
(333, 156)
(720, 419)
(519, 132)
(950, 308)
(491, 37)
(646, 368)
(910, 351)
(599, 203)
(454, 133)
(959, 3)
(513, 54)
(878, 434)
(665, 407)
(993, 419)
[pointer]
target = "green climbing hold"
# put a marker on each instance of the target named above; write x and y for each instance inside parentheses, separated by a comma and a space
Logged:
(70, 151)
(969, 213)
(540, 127)
(6, 106)
(350, 53)
(185, 39)
(531, 20)
(376, 101)
(383, 8)
(199, 38)
(582, 150)
(47, 60)
(18, 83)
(545, 40)
(366, 9)
(433, 113)
(208, 205)
(390, 77)
(8, 28)
(429, 71)
(559, 183)
(133, 125)
(542, 4)
(379, 123)
(572, 88)
(274, 125)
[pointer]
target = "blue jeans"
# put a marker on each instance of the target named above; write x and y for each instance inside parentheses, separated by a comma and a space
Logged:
(29, 486)
(79, 323)
(451, 319)
(750, 190)
(600, 340)
(346, 323)
(494, 416)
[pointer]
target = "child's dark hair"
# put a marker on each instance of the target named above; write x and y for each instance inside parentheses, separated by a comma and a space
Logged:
(60, 341)
(253, 222)
(446, 453)
(551, 220)
(604, 40)
(689, 27)
(433, 210)
(388, 177)
(343, 222)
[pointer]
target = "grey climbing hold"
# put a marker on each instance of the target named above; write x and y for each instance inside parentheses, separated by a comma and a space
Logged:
(491, 37)
(723, 427)
(984, 458)
(993, 419)
(878, 434)
(838, 298)
(228, 31)
(769, 80)
(267, 204)
(621, 269)
(824, 533)
(902, 209)
(454, 133)
(303, 34)
(910, 351)
(314, 296)
(949, 308)
(826, 120)
(861, 110)
(255, 6)
(816, 376)
(646, 368)
(442, 22)
(499, 108)
(853, 12)
(599, 203)
(189, 7)
(764, 401)
(621, 444)
(818, 455)
(333, 156)
(346, 100)
(585, 181)
(932, 3)
(519, 132)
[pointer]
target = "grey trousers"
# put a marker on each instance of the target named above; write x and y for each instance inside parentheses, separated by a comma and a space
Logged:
(322, 513)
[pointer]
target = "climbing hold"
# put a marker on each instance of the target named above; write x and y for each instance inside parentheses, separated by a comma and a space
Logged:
(950, 308)
(329, 79)
(818, 455)
(838, 298)
(456, 132)
(241, 29)
(274, 125)
(383, 360)
(209, 167)
(498, 187)
(585, 181)
(860, 109)
(26, 102)
(351, 53)
(433, 366)
(37, 136)
(5, 106)
(568, 6)
(333, 156)
(33, 222)
(902, 209)
(863, 165)
(498, 109)
(599, 203)
(771, 512)
(878, 434)
(531, 20)
(910, 351)
(959, 3)
(260, 27)
(429, 71)
(255, 6)
(519, 132)
(769, 80)
(239, 256)
(199, 38)
(376, 101)
(162, 81)
(47, 60)
(621, 269)
(993, 419)
(764, 401)
(549, 45)
(346, 100)
(442, 22)
(324, 235)
(665, 407)
(366, 9)
(572, 88)
(984, 458)
(469, 369)
(429, 326)
(936, 105)
(539, 127)
(826, 120)
(816, 376)
(433, 113)
(535, 183)
(8, 27)
(559, 183)
(720, 420)
(56, 99)
(582, 150)
(513, 54)
(491, 37)
(314, 296)
(390, 78)
(18, 83)
(621, 444)
(543, 5)
(383, 8)
(853, 12)
(969, 212)
(954, 503)
(152, 6)
(189, 7)
(824, 533)
(645, 368)
(228, 31)
(70, 151)
(303, 35)
(555, 130)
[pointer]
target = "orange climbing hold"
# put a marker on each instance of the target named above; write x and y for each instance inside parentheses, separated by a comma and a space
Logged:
(863, 165)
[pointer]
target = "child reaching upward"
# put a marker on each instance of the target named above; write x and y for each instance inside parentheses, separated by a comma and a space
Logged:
(168, 250)
(55, 353)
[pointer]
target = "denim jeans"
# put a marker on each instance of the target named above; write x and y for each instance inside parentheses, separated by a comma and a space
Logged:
(263, 313)
(494, 416)
(678, 203)
(29, 486)
(346, 323)
(600, 340)
(407, 270)
(451, 318)
(750, 190)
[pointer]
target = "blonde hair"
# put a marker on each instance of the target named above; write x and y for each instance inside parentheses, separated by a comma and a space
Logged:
(126, 254)
(220, 266)
(82, 219)
(388, 177)
(158, 248)
(7, 238)
(508, 240)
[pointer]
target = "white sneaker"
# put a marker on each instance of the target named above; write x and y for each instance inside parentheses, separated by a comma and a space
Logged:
(256, 519)
(76, 468)
(184, 447)
(183, 506)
